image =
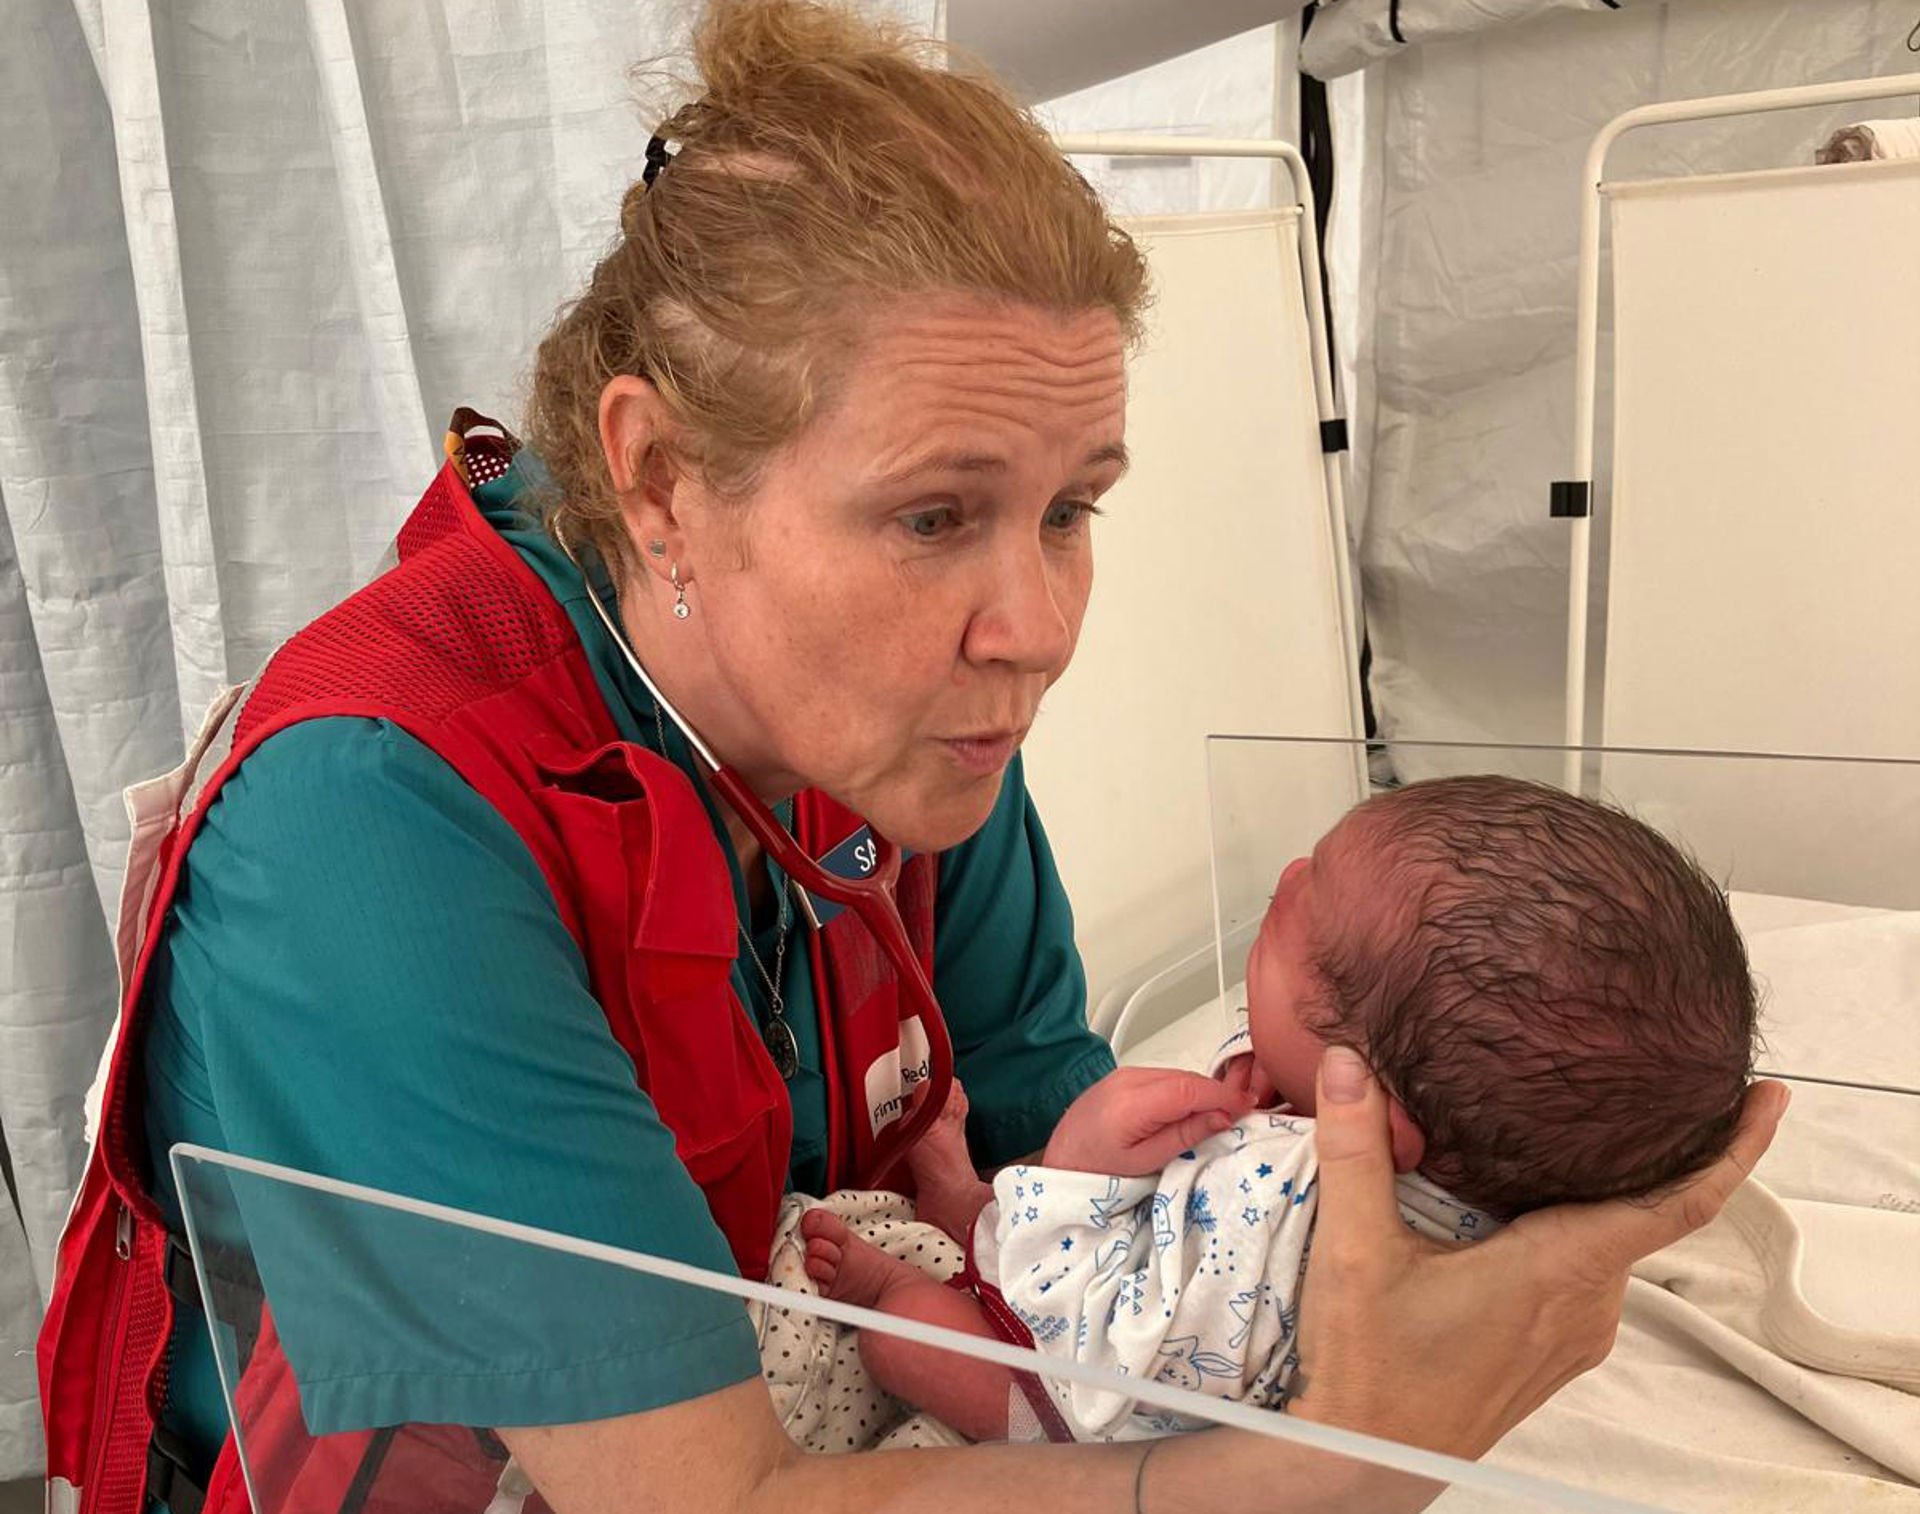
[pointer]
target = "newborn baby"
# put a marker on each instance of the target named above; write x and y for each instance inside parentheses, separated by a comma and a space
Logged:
(1556, 998)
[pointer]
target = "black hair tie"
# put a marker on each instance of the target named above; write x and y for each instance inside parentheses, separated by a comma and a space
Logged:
(657, 158)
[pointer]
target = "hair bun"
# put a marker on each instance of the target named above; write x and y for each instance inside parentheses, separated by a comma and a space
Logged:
(742, 46)
(828, 162)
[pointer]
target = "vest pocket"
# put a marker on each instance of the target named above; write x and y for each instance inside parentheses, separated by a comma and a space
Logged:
(653, 896)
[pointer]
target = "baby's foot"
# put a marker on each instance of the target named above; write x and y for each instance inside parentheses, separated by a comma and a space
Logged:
(948, 1191)
(943, 1149)
(846, 1267)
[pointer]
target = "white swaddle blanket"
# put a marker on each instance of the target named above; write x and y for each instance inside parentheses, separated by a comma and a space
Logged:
(1190, 1277)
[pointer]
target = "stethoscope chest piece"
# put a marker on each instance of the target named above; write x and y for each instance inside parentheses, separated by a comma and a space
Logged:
(782, 1047)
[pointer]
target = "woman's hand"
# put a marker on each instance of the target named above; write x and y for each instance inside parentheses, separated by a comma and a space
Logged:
(1451, 1348)
(1135, 1120)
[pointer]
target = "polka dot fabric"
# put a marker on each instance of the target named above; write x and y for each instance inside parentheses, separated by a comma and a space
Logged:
(821, 1389)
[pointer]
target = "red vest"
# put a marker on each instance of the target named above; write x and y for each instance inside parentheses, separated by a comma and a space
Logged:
(463, 647)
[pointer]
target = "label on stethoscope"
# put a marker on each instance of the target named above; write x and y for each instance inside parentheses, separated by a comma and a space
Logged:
(893, 1076)
(855, 858)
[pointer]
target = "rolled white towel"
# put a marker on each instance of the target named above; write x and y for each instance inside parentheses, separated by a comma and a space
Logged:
(1898, 138)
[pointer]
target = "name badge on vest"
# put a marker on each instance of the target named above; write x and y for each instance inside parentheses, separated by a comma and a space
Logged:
(854, 858)
(893, 1076)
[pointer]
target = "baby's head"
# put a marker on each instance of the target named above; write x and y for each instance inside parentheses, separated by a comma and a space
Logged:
(1556, 996)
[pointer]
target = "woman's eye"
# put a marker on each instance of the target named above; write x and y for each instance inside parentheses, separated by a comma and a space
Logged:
(929, 524)
(1070, 514)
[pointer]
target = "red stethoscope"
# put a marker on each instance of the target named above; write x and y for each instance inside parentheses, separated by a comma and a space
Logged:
(870, 896)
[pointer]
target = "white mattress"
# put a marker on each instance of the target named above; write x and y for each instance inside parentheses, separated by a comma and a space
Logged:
(1708, 1401)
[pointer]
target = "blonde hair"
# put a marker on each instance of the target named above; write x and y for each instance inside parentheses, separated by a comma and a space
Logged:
(830, 160)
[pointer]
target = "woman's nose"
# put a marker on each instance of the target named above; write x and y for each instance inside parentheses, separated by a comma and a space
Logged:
(1030, 614)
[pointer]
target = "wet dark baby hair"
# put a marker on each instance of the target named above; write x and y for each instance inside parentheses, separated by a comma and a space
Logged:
(1557, 994)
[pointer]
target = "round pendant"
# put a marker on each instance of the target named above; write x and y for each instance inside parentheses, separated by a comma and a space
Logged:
(782, 1047)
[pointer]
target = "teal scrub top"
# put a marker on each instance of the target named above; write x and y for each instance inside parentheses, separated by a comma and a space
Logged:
(365, 976)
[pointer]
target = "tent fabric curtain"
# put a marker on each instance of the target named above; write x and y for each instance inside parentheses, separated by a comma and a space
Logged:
(256, 251)
(1461, 167)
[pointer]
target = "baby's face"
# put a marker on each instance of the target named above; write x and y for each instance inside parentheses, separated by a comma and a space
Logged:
(1281, 983)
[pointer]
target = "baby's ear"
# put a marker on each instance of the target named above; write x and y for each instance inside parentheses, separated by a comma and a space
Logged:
(1409, 1143)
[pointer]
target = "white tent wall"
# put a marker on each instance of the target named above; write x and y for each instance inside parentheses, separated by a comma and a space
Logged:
(1242, 86)
(255, 253)
(1461, 193)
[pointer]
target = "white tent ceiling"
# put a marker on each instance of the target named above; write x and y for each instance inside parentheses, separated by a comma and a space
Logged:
(1048, 48)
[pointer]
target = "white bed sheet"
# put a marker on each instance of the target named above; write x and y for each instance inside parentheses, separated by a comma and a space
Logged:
(1708, 1402)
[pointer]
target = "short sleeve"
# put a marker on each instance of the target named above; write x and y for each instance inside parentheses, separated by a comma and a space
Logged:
(1010, 981)
(367, 970)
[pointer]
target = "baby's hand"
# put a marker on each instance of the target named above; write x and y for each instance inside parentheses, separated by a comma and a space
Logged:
(1137, 1119)
(1243, 1074)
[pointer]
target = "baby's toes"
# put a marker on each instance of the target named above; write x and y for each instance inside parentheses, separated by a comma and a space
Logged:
(955, 1112)
(823, 1224)
(823, 1261)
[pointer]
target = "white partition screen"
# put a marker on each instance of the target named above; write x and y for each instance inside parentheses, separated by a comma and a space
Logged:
(1762, 590)
(1216, 603)
(1766, 486)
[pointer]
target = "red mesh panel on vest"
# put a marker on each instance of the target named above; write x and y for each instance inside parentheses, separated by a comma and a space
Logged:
(123, 1470)
(485, 634)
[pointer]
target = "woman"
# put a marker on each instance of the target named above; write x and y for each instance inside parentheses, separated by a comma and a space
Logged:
(458, 916)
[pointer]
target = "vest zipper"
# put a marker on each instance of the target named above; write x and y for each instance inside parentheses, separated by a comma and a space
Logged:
(107, 1394)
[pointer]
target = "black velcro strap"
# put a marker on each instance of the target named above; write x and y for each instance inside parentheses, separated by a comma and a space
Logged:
(1333, 434)
(177, 1270)
(170, 1478)
(1570, 501)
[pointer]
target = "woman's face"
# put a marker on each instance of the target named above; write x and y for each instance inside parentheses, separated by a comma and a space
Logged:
(884, 614)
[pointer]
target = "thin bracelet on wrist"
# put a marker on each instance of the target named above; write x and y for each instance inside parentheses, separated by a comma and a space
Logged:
(1140, 1478)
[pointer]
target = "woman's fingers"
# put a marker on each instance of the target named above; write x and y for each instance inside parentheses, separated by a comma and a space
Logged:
(1359, 1214)
(1609, 1238)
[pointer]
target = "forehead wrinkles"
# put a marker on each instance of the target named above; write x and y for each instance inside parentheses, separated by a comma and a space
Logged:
(991, 375)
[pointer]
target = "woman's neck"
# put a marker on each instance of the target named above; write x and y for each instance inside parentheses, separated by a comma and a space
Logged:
(678, 660)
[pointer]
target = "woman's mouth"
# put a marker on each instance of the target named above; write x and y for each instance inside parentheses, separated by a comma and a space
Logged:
(984, 752)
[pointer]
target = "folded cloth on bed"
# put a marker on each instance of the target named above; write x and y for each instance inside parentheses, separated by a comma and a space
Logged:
(1871, 139)
(1830, 1287)
(826, 1399)
(1744, 1377)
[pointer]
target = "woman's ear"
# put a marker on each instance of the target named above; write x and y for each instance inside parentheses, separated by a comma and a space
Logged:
(633, 426)
(1409, 1143)
(630, 416)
